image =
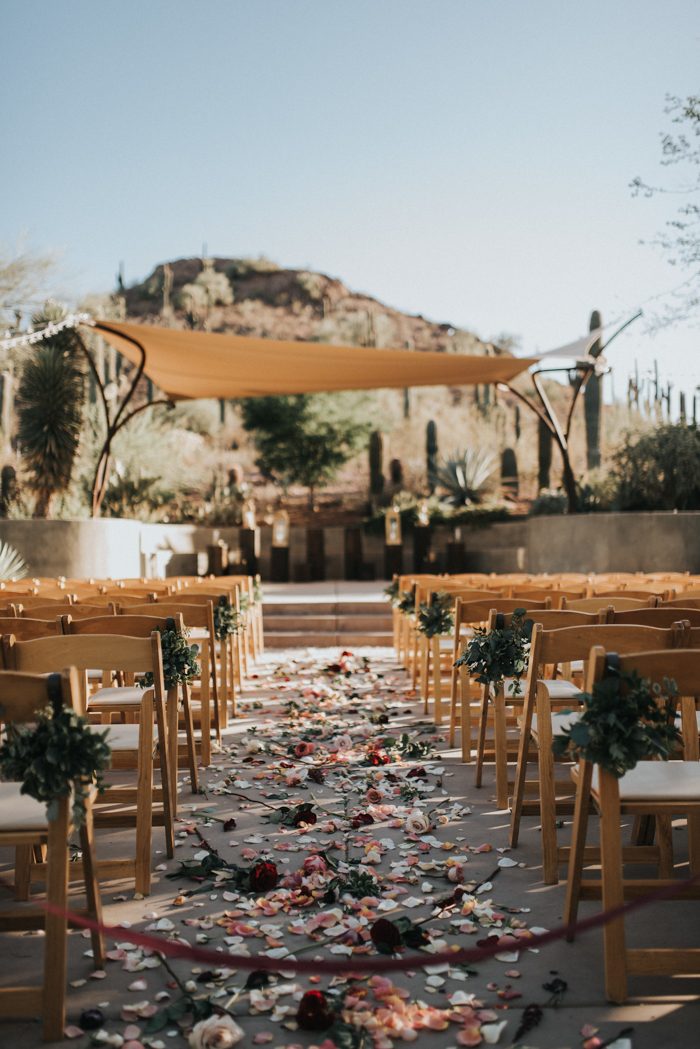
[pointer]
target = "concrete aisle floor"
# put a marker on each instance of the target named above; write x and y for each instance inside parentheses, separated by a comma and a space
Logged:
(663, 1012)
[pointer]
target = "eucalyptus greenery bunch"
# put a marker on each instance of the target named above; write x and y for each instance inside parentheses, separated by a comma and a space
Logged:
(180, 664)
(392, 592)
(436, 616)
(406, 602)
(58, 756)
(227, 620)
(625, 719)
(503, 652)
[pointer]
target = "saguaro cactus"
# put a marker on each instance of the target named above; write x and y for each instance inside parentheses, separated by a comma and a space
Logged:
(376, 459)
(544, 455)
(431, 453)
(592, 401)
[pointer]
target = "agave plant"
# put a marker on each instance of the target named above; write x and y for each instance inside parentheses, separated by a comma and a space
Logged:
(465, 475)
(50, 402)
(12, 564)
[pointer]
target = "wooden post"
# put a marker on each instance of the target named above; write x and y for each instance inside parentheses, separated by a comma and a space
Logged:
(316, 553)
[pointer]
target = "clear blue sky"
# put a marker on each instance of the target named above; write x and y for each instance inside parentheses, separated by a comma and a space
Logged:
(465, 159)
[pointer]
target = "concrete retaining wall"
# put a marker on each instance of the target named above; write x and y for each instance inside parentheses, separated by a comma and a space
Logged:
(584, 543)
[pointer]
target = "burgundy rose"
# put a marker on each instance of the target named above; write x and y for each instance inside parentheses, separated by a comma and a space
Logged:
(361, 819)
(377, 757)
(304, 815)
(418, 772)
(316, 775)
(385, 936)
(315, 1012)
(263, 876)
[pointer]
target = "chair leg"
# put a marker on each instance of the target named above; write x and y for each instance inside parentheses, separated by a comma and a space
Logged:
(612, 888)
(465, 709)
(191, 743)
(452, 731)
(501, 748)
(481, 741)
(55, 944)
(548, 803)
(437, 680)
(578, 844)
(144, 801)
(664, 836)
(521, 769)
(92, 888)
(424, 671)
(205, 711)
(23, 861)
(172, 719)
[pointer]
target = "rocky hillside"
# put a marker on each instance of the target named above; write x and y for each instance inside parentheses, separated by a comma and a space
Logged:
(257, 297)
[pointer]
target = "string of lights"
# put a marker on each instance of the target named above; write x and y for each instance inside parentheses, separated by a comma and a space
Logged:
(30, 337)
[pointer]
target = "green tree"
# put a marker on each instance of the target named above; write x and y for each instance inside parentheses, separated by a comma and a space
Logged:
(659, 470)
(50, 401)
(303, 438)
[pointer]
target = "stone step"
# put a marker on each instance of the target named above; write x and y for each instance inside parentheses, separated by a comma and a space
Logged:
(327, 639)
(327, 624)
(325, 608)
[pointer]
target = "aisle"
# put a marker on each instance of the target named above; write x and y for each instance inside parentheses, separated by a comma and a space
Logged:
(335, 790)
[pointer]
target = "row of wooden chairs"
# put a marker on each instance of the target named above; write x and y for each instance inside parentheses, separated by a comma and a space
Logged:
(108, 640)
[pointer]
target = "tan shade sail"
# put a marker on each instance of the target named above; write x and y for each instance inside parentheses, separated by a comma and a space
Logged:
(194, 364)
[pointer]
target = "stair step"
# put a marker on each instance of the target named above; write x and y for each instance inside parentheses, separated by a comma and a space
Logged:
(326, 639)
(327, 624)
(326, 608)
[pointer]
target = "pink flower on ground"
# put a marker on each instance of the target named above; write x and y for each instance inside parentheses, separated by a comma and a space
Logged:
(217, 1032)
(470, 1035)
(303, 749)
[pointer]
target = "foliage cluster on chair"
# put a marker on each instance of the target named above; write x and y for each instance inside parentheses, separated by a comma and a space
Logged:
(180, 664)
(493, 655)
(58, 756)
(227, 620)
(406, 602)
(625, 719)
(436, 617)
(392, 592)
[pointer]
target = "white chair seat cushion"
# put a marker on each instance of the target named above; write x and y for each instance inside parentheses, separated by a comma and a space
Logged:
(561, 720)
(20, 812)
(659, 781)
(120, 737)
(129, 695)
(558, 688)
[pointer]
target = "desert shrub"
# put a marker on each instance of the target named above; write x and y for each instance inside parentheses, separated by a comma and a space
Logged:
(549, 501)
(659, 470)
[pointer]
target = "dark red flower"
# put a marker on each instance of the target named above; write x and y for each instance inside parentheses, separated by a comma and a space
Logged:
(377, 757)
(315, 1012)
(230, 824)
(361, 819)
(418, 772)
(304, 815)
(316, 775)
(263, 876)
(385, 936)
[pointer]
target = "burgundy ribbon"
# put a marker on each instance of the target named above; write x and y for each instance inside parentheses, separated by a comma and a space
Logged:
(221, 960)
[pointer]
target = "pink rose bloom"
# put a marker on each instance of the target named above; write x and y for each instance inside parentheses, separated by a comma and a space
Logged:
(314, 865)
(303, 749)
(217, 1032)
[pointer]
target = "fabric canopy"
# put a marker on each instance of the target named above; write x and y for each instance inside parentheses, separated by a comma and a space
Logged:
(194, 364)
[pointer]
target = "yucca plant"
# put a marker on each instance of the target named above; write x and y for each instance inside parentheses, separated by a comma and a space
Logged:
(12, 564)
(466, 475)
(50, 403)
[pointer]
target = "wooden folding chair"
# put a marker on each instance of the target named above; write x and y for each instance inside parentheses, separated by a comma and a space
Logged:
(505, 699)
(25, 826)
(198, 618)
(540, 720)
(661, 789)
(126, 698)
(132, 745)
(463, 692)
(596, 604)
